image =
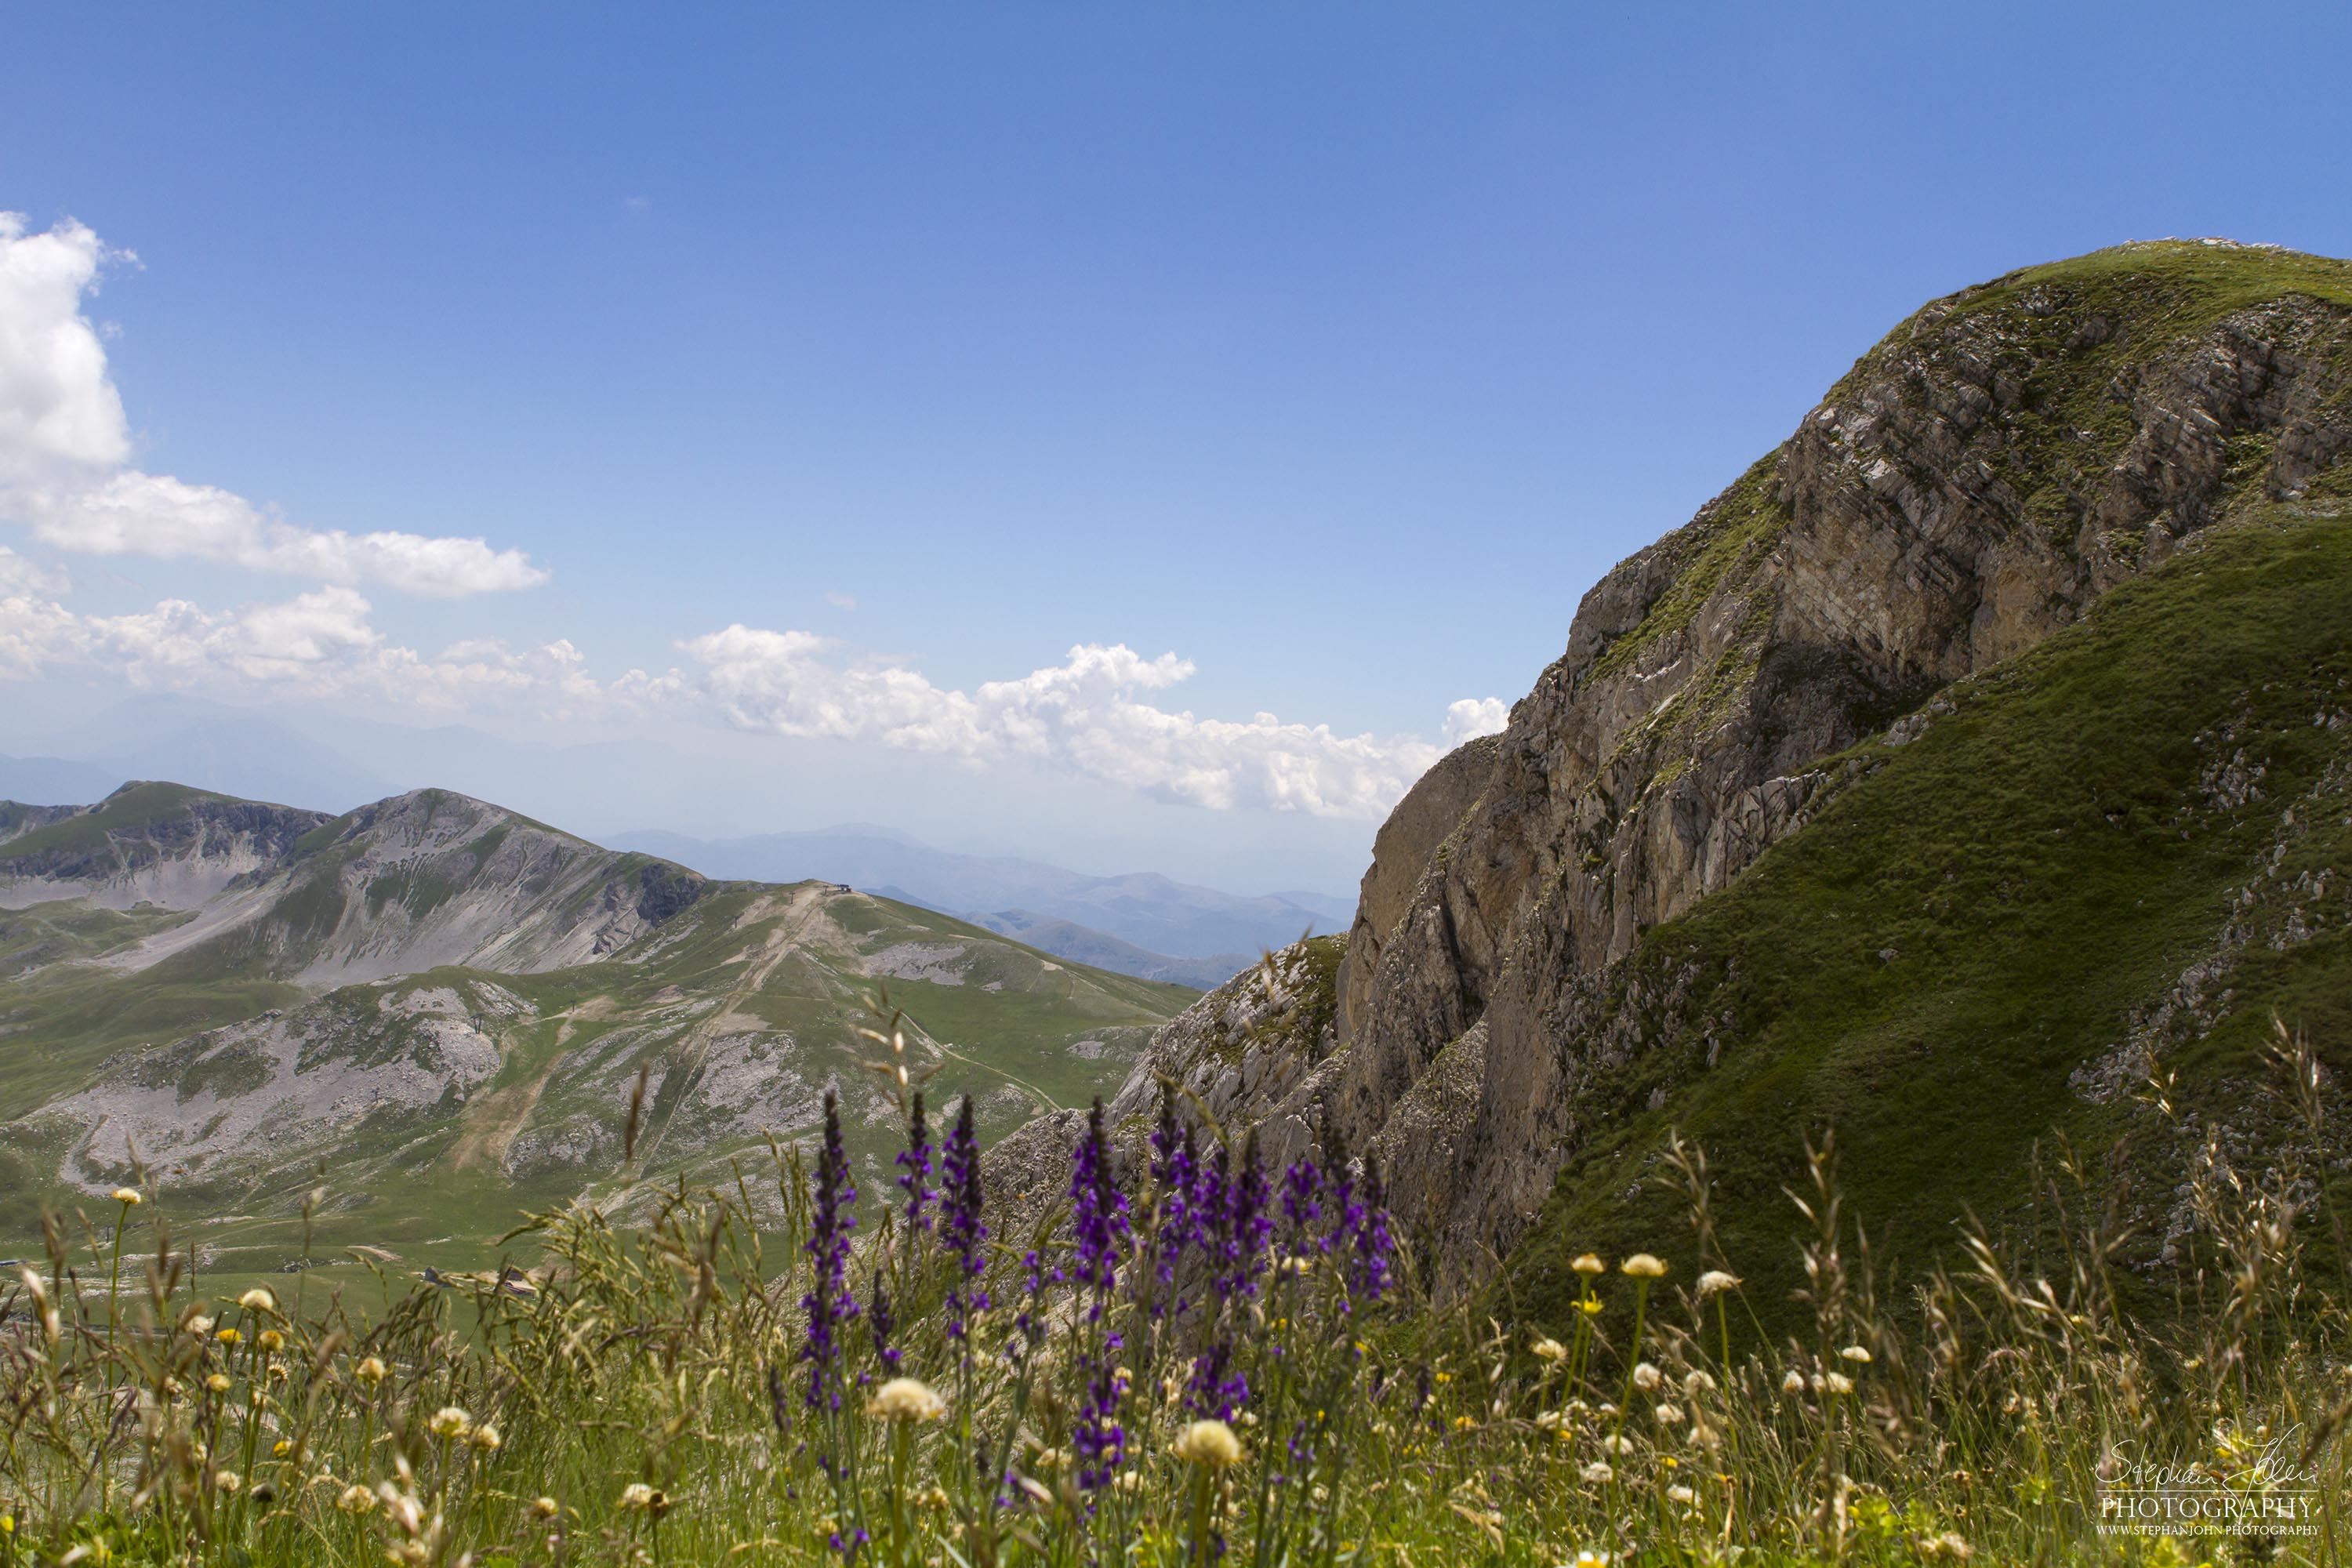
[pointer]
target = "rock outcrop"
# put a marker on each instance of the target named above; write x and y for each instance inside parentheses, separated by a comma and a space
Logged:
(1974, 484)
(163, 844)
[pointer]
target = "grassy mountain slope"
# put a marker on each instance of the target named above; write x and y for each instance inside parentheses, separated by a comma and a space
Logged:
(445, 1007)
(2125, 850)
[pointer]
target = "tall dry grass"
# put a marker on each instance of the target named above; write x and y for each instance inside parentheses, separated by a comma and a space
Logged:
(1190, 1360)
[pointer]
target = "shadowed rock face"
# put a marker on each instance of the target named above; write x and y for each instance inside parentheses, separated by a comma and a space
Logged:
(1974, 484)
(156, 843)
(158, 823)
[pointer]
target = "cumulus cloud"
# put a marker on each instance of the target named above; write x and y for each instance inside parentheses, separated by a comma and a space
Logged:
(1091, 714)
(1086, 714)
(1474, 716)
(19, 575)
(66, 448)
(320, 646)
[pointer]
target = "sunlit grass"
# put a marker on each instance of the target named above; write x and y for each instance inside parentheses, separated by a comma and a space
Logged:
(1192, 1359)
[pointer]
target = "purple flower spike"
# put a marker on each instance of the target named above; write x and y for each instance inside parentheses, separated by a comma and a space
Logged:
(1302, 1194)
(828, 1303)
(915, 1163)
(1178, 1173)
(961, 1229)
(881, 1323)
(1099, 1439)
(1098, 1212)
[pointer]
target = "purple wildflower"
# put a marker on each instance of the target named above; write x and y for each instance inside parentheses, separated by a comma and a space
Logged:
(1302, 1195)
(1177, 1170)
(1099, 1226)
(828, 1303)
(1346, 1207)
(1234, 1210)
(915, 1163)
(1099, 1439)
(1098, 1214)
(960, 1227)
(1211, 1216)
(881, 1323)
(1217, 1389)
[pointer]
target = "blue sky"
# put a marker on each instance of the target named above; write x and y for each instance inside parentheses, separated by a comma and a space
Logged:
(1334, 349)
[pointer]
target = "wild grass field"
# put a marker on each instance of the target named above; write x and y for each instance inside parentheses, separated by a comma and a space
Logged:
(1192, 1359)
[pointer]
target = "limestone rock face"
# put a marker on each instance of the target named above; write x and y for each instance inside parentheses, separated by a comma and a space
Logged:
(1974, 484)
(152, 843)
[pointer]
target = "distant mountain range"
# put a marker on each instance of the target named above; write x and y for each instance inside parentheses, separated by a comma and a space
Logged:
(1141, 924)
(445, 1006)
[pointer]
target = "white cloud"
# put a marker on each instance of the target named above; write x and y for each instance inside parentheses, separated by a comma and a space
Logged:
(1084, 715)
(1087, 715)
(56, 402)
(1474, 716)
(65, 448)
(317, 646)
(19, 575)
(839, 600)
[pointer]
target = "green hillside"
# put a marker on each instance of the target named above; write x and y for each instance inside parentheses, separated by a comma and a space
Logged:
(2133, 839)
(524, 980)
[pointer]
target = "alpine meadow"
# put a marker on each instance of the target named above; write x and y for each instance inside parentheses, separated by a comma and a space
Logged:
(1209, 786)
(1850, 1072)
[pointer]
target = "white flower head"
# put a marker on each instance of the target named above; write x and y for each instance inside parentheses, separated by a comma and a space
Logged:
(1209, 1444)
(906, 1399)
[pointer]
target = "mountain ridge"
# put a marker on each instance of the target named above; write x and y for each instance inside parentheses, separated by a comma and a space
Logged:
(446, 1004)
(1174, 923)
(1524, 1009)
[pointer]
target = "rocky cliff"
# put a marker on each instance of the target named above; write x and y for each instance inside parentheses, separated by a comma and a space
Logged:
(161, 844)
(1977, 483)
